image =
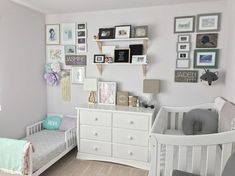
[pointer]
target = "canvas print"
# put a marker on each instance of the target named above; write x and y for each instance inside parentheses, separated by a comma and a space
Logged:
(53, 34)
(107, 93)
(206, 58)
(207, 40)
(67, 34)
(55, 53)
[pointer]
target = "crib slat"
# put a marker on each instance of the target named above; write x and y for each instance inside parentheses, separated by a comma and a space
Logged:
(180, 120)
(182, 158)
(226, 152)
(159, 148)
(173, 116)
(196, 159)
(169, 159)
(210, 160)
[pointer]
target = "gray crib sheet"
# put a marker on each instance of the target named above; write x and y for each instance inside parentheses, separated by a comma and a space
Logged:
(47, 144)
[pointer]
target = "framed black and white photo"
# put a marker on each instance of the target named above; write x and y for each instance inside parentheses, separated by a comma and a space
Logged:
(81, 26)
(67, 34)
(123, 31)
(183, 63)
(78, 75)
(207, 40)
(139, 32)
(82, 48)
(139, 59)
(183, 38)
(81, 41)
(99, 58)
(106, 33)
(70, 50)
(206, 58)
(52, 34)
(184, 24)
(82, 34)
(183, 55)
(208, 22)
(183, 47)
(122, 55)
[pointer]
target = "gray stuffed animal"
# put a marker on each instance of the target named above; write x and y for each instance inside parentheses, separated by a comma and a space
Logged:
(209, 76)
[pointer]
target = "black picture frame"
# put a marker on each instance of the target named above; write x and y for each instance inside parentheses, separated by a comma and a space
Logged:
(136, 49)
(106, 33)
(99, 58)
(122, 55)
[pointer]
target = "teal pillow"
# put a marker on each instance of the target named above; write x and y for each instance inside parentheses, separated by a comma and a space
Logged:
(52, 122)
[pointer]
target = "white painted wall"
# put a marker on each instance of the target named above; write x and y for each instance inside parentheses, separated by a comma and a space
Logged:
(22, 56)
(162, 53)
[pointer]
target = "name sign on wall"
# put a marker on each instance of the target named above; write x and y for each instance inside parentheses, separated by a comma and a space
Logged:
(75, 60)
(186, 76)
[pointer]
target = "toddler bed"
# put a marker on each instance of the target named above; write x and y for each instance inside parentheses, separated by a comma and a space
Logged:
(205, 155)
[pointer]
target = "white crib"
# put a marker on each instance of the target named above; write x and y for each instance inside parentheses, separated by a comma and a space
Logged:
(205, 155)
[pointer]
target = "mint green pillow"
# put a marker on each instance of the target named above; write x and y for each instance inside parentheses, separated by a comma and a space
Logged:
(52, 122)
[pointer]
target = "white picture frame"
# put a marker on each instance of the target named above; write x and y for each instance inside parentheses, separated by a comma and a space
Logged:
(182, 63)
(139, 59)
(52, 34)
(123, 32)
(55, 53)
(68, 33)
(183, 55)
(107, 93)
(78, 75)
(184, 24)
(70, 49)
(208, 22)
(108, 51)
(183, 47)
(82, 48)
(183, 38)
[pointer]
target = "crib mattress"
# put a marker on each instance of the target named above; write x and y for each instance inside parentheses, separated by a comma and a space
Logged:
(48, 144)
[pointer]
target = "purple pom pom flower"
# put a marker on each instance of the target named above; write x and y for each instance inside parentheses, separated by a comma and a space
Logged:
(52, 78)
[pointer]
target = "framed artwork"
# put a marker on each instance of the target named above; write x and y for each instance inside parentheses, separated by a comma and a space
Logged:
(122, 98)
(108, 60)
(139, 32)
(70, 49)
(99, 58)
(207, 40)
(52, 34)
(81, 26)
(81, 41)
(183, 38)
(107, 93)
(82, 34)
(206, 58)
(208, 22)
(55, 53)
(183, 55)
(108, 51)
(106, 33)
(123, 31)
(78, 75)
(76, 60)
(184, 24)
(183, 47)
(67, 34)
(183, 63)
(82, 48)
(187, 76)
(122, 55)
(139, 59)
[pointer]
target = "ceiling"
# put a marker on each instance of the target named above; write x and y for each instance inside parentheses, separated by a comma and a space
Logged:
(68, 6)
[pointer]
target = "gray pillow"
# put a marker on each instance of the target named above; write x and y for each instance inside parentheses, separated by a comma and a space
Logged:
(181, 173)
(200, 121)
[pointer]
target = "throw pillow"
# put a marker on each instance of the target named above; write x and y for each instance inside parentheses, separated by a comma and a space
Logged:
(52, 122)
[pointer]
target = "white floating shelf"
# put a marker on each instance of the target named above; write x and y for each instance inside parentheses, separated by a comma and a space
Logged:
(125, 39)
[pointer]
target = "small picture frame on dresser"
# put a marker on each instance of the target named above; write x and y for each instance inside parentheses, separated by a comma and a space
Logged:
(107, 93)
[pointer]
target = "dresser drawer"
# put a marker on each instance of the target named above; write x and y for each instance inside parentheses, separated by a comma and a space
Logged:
(132, 137)
(94, 147)
(131, 121)
(95, 133)
(130, 152)
(95, 118)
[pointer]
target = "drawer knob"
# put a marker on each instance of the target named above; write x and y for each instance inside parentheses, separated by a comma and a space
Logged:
(130, 153)
(96, 119)
(131, 122)
(95, 134)
(130, 137)
(95, 148)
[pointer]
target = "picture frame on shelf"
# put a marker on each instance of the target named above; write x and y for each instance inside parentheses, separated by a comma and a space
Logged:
(209, 22)
(107, 93)
(184, 38)
(78, 75)
(106, 33)
(139, 59)
(123, 32)
(122, 55)
(108, 60)
(183, 55)
(55, 53)
(99, 58)
(108, 51)
(184, 24)
(68, 34)
(139, 32)
(182, 63)
(82, 48)
(52, 34)
(207, 40)
(81, 33)
(70, 49)
(136, 49)
(206, 58)
(81, 26)
(183, 47)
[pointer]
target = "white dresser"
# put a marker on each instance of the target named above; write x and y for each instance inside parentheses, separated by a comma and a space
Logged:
(114, 133)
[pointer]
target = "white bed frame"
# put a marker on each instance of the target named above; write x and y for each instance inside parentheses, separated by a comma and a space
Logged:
(70, 139)
(208, 153)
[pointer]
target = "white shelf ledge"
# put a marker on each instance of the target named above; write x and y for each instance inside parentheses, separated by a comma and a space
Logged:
(125, 39)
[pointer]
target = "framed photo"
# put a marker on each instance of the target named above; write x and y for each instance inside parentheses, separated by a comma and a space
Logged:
(70, 49)
(55, 53)
(183, 55)
(122, 55)
(122, 98)
(67, 34)
(106, 33)
(108, 51)
(208, 22)
(76, 60)
(81, 41)
(206, 58)
(183, 38)
(184, 24)
(207, 40)
(107, 93)
(78, 75)
(183, 47)
(52, 34)
(81, 26)
(99, 58)
(82, 34)
(186, 76)
(139, 32)
(122, 31)
(82, 48)
(139, 59)
(108, 59)
(183, 63)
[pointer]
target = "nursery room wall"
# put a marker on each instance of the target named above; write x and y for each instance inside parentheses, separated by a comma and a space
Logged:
(161, 52)
(22, 56)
